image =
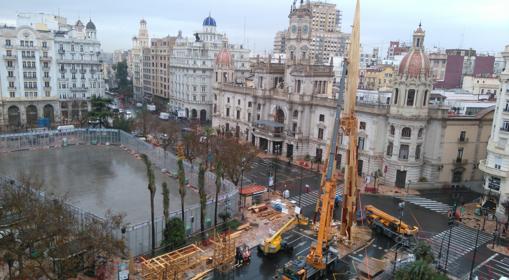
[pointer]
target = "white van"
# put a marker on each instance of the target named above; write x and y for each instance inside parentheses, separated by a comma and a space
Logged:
(65, 127)
(164, 116)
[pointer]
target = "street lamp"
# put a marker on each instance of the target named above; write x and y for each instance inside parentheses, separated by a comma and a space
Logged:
(300, 185)
(475, 253)
(241, 183)
(451, 225)
(401, 207)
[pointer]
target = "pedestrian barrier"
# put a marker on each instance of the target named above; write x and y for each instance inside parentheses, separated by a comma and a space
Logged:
(138, 236)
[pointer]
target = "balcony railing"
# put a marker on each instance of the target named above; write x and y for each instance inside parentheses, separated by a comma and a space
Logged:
(504, 129)
(61, 51)
(463, 139)
(460, 161)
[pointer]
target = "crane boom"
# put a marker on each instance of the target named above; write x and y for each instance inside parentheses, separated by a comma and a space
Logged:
(327, 189)
(350, 129)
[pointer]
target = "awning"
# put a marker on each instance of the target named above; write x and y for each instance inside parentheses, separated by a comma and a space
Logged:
(269, 123)
(252, 190)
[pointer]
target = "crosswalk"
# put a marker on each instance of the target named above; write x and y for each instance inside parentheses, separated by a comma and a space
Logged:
(310, 198)
(493, 268)
(462, 242)
(432, 205)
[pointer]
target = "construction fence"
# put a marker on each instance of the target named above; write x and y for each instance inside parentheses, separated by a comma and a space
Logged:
(137, 237)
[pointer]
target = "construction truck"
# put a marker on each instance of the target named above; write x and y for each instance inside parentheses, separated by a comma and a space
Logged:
(276, 242)
(390, 226)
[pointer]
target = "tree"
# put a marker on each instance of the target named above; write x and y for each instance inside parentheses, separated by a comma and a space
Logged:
(122, 124)
(234, 156)
(166, 202)
(424, 252)
(122, 76)
(45, 231)
(100, 111)
(203, 198)
(419, 270)
(174, 233)
(182, 185)
(152, 190)
(145, 122)
(219, 176)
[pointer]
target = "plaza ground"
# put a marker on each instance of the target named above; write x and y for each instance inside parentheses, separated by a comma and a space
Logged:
(95, 179)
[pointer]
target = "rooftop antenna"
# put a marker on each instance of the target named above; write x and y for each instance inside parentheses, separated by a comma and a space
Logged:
(244, 30)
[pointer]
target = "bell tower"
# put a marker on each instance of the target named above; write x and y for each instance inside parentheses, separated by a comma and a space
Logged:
(298, 36)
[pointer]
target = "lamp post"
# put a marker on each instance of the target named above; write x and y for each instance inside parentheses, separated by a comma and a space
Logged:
(451, 225)
(241, 183)
(401, 207)
(300, 186)
(274, 165)
(475, 253)
(408, 186)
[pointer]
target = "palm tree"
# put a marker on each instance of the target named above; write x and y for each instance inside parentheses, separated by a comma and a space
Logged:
(166, 202)
(182, 185)
(208, 132)
(203, 198)
(219, 175)
(152, 189)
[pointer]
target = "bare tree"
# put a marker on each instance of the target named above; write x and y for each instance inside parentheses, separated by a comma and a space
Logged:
(182, 185)
(219, 178)
(234, 156)
(203, 198)
(166, 202)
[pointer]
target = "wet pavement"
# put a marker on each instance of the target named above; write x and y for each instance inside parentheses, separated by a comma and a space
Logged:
(96, 178)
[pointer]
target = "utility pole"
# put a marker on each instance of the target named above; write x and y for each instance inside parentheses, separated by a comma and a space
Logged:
(300, 185)
(401, 207)
(451, 225)
(475, 252)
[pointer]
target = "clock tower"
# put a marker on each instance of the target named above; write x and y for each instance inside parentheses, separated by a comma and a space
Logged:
(298, 36)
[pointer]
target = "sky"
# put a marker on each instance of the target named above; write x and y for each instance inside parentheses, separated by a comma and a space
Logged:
(479, 24)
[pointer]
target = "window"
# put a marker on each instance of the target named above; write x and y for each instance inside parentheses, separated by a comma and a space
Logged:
(12, 94)
(390, 148)
(410, 97)
(403, 152)
(494, 183)
(294, 127)
(7, 42)
(396, 93)
(505, 125)
(238, 101)
(419, 134)
(459, 156)
(424, 101)
(463, 136)
(249, 104)
(362, 125)
(406, 132)
(418, 152)
(295, 114)
(360, 143)
(321, 118)
(249, 117)
(320, 133)
(258, 117)
(203, 98)
(10, 74)
(227, 112)
(392, 130)
(259, 106)
(228, 100)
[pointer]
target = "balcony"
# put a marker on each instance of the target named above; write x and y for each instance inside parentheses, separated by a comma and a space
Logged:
(269, 129)
(45, 58)
(504, 129)
(506, 110)
(459, 161)
(10, 46)
(9, 57)
(491, 170)
(61, 51)
(74, 71)
(463, 140)
(83, 71)
(46, 78)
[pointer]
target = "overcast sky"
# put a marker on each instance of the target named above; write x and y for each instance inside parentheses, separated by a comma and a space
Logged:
(478, 24)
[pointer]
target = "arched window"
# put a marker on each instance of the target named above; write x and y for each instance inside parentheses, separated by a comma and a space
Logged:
(410, 97)
(396, 92)
(393, 130)
(419, 134)
(424, 101)
(406, 132)
(295, 114)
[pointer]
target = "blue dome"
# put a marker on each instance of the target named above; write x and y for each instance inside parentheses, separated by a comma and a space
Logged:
(209, 21)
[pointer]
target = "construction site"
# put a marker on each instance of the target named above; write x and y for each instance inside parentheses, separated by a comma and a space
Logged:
(298, 246)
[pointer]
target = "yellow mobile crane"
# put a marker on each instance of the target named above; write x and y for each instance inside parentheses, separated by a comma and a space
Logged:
(275, 243)
(348, 122)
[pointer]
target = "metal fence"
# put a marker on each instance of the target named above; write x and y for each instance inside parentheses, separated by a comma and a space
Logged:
(137, 237)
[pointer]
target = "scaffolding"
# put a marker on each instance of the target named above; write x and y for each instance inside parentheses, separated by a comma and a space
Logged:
(172, 265)
(192, 260)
